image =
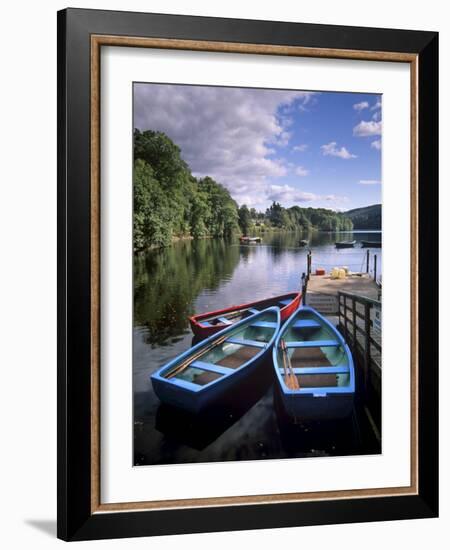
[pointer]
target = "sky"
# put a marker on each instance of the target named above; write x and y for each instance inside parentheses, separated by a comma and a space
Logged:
(319, 149)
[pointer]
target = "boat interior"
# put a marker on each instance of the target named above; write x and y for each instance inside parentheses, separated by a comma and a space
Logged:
(237, 315)
(317, 357)
(238, 347)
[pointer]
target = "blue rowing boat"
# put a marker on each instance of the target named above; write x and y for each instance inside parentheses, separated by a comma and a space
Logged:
(313, 367)
(205, 373)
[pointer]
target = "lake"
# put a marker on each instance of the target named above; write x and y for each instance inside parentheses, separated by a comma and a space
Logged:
(198, 276)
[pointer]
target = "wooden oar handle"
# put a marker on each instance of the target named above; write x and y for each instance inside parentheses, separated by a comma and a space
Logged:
(192, 358)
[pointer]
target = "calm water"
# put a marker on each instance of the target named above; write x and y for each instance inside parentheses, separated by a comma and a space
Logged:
(199, 276)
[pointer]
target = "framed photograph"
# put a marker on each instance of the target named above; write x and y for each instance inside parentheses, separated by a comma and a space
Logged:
(247, 252)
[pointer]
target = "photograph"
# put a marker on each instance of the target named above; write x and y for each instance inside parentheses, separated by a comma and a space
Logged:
(257, 273)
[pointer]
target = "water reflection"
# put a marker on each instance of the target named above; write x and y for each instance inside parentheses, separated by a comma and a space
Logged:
(198, 431)
(166, 283)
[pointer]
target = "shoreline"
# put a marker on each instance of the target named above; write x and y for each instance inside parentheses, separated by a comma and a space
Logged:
(253, 233)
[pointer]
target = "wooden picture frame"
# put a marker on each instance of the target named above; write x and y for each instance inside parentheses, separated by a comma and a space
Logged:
(81, 35)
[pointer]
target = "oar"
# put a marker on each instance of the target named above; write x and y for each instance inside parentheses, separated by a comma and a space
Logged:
(229, 316)
(290, 379)
(196, 355)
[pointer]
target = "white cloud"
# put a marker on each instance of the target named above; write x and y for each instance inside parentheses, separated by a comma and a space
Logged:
(300, 171)
(376, 115)
(367, 128)
(283, 139)
(289, 195)
(301, 148)
(376, 144)
(376, 105)
(330, 149)
(360, 106)
(369, 182)
(226, 133)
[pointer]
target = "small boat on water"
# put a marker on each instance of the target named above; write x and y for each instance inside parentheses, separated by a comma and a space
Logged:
(205, 324)
(250, 240)
(345, 244)
(313, 367)
(303, 243)
(207, 372)
(371, 244)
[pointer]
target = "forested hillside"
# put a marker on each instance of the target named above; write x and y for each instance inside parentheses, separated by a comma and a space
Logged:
(368, 217)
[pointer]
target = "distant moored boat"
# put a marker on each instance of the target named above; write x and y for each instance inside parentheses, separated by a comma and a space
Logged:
(345, 244)
(303, 243)
(371, 244)
(250, 240)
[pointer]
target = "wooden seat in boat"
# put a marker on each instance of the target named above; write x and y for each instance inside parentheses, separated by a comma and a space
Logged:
(312, 357)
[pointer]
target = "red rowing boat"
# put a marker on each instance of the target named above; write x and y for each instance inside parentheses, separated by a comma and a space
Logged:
(206, 324)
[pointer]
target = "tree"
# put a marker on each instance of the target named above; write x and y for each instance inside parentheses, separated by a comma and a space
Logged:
(244, 219)
(275, 214)
(152, 218)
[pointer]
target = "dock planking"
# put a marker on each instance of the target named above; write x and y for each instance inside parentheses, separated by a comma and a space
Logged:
(322, 291)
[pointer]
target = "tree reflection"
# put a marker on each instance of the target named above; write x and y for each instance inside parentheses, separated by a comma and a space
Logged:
(167, 282)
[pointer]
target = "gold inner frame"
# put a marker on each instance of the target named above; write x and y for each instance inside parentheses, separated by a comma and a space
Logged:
(97, 41)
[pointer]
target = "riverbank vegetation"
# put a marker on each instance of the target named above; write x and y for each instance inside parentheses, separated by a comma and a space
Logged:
(170, 203)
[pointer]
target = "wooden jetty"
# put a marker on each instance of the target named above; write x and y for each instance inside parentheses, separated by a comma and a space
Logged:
(353, 305)
(322, 290)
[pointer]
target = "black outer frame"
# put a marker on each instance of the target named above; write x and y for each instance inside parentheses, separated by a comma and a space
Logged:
(75, 521)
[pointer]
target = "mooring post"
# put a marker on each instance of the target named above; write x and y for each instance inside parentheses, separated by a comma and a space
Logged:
(367, 260)
(375, 268)
(308, 263)
(304, 287)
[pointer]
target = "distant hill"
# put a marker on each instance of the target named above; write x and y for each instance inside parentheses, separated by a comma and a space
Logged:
(368, 217)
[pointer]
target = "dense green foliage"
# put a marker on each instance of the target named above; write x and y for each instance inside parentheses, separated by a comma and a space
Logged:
(305, 219)
(368, 217)
(169, 202)
(245, 218)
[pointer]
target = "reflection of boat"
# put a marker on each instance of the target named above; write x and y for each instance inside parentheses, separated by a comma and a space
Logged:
(205, 324)
(303, 243)
(371, 244)
(200, 377)
(320, 364)
(199, 431)
(345, 244)
(250, 240)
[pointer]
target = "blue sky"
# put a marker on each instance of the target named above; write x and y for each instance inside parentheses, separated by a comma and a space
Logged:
(306, 148)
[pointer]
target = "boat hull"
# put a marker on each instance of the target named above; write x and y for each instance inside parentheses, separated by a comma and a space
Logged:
(203, 330)
(345, 245)
(370, 244)
(250, 240)
(193, 395)
(310, 408)
(192, 403)
(311, 402)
